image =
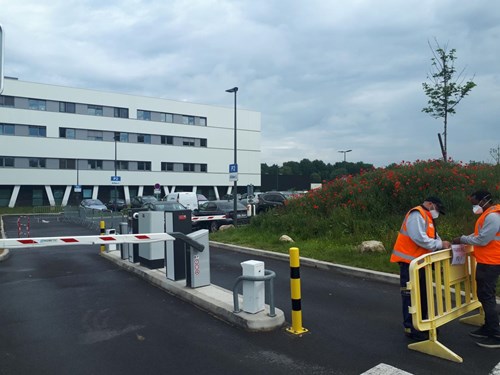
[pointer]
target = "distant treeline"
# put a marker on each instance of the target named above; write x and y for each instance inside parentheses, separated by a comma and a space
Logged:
(314, 171)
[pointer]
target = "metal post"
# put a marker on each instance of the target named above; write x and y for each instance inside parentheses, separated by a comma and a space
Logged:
(296, 327)
(235, 187)
(116, 168)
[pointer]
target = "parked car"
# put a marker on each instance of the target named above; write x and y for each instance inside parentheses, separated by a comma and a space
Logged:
(116, 205)
(270, 200)
(164, 206)
(139, 201)
(217, 208)
(186, 198)
(93, 204)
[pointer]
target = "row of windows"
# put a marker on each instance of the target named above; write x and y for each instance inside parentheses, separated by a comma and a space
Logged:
(98, 110)
(122, 165)
(99, 135)
(102, 135)
(29, 130)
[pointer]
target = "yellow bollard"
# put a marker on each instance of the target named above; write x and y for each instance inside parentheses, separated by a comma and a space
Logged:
(296, 327)
(102, 225)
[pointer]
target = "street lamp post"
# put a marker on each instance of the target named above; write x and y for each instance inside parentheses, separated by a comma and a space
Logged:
(235, 187)
(117, 138)
(345, 152)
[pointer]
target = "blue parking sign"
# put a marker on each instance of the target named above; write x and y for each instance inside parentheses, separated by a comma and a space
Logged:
(233, 168)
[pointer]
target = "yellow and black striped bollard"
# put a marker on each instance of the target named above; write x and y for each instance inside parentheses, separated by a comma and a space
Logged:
(296, 327)
(102, 225)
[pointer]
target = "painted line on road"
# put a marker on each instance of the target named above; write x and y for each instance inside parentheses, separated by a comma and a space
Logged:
(383, 369)
(496, 370)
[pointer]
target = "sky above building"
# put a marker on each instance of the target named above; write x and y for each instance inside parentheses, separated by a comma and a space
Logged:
(327, 76)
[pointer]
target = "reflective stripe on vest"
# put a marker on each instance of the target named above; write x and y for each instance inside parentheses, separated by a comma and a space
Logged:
(405, 250)
(490, 253)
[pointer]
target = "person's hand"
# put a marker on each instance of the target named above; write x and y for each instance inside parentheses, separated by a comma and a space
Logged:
(446, 244)
(456, 241)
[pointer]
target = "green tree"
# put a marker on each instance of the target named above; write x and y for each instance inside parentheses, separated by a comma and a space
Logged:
(446, 88)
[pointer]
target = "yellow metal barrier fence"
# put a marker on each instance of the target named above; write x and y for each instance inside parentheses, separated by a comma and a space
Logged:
(451, 292)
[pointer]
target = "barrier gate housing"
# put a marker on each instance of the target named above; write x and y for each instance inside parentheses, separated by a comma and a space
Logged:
(451, 292)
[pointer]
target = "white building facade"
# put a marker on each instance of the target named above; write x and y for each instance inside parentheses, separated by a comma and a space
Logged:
(56, 138)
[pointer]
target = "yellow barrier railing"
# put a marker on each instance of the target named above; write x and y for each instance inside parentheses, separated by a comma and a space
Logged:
(451, 292)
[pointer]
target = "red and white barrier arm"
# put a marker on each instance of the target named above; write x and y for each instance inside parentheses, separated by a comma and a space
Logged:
(10, 243)
(207, 218)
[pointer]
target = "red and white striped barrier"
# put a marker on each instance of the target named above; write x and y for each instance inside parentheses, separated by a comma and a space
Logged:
(208, 218)
(10, 243)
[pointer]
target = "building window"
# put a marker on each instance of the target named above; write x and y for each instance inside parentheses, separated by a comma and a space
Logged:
(67, 164)
(203, 167)
(143, 115)
(167, 140)
(95, 164)
(203, 121)
(203, 142)
(67, 107)
(94, 135)
(144, 138)
(122, 137)
(167, 166)
(37, 131)
(167, 117)
(188, 142)
(6, 101)
(122, 165)
(144, 165)
(5, 161)
(37, 163)
(94, 110)
(37, 104)
(188, 120)
(121, 112)
(6, 129)
(67, 133)
(188, 167)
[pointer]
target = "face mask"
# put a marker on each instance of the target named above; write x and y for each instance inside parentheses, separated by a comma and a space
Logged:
(477, 209)
(434, 214)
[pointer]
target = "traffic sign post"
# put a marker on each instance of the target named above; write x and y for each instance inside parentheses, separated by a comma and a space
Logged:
(233, 172)
(116, 180)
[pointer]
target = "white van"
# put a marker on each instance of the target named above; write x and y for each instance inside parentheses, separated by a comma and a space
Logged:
(186, 198)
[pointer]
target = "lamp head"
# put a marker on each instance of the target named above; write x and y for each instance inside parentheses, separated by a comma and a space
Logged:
(234, 89)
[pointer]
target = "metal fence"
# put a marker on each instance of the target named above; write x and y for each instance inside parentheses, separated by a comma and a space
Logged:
(92, 218)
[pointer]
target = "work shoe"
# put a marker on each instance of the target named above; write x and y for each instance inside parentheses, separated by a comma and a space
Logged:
(490, 342)
(418, 335)
(480, 333)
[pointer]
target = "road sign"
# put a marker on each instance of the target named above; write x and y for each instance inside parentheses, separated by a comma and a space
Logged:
(233, 176)
(77, 188)
(233, 168)
(2, 49)
(116, 180)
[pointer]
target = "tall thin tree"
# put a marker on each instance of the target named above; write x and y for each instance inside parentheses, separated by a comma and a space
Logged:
(445, 89)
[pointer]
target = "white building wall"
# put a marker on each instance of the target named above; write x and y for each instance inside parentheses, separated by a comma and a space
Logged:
(218, 154)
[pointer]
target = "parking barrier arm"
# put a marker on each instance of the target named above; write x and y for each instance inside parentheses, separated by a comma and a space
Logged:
(188, 240)
(268, 276)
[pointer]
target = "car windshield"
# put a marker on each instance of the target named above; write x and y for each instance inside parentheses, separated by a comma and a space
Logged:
(229, 205)
(164, 206)
(93, 202)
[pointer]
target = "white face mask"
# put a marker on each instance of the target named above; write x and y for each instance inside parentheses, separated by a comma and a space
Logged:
(477, 209)
(434, 214)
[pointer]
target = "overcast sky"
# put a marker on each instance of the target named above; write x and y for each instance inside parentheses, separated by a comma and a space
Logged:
(326, 75)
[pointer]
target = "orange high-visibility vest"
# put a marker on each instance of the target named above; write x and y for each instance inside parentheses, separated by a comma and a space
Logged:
(490, 253)
(405, 250)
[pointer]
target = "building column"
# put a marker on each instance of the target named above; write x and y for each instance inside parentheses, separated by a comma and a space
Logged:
(95, 192)
(66, 195)
(50, 196)
(13, 197)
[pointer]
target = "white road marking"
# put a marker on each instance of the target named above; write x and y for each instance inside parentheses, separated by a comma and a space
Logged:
(383, 369)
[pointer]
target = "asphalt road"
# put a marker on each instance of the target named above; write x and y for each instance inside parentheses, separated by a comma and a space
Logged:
(66, 310)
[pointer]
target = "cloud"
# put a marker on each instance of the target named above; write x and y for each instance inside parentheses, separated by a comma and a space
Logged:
(326, 76)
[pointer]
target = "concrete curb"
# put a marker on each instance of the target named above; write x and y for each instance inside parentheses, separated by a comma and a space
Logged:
(309, 262)
(216, 300)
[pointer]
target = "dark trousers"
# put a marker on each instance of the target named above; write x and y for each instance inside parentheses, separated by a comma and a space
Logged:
(404, 277)
(486, 279)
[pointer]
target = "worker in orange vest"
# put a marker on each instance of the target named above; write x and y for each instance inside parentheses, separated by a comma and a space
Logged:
(486, 242)
(417, 236)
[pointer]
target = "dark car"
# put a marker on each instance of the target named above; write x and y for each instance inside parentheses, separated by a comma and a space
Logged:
(93, 204)
(270, 200)
(219, 208)
(116, 205)
(138, 202)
